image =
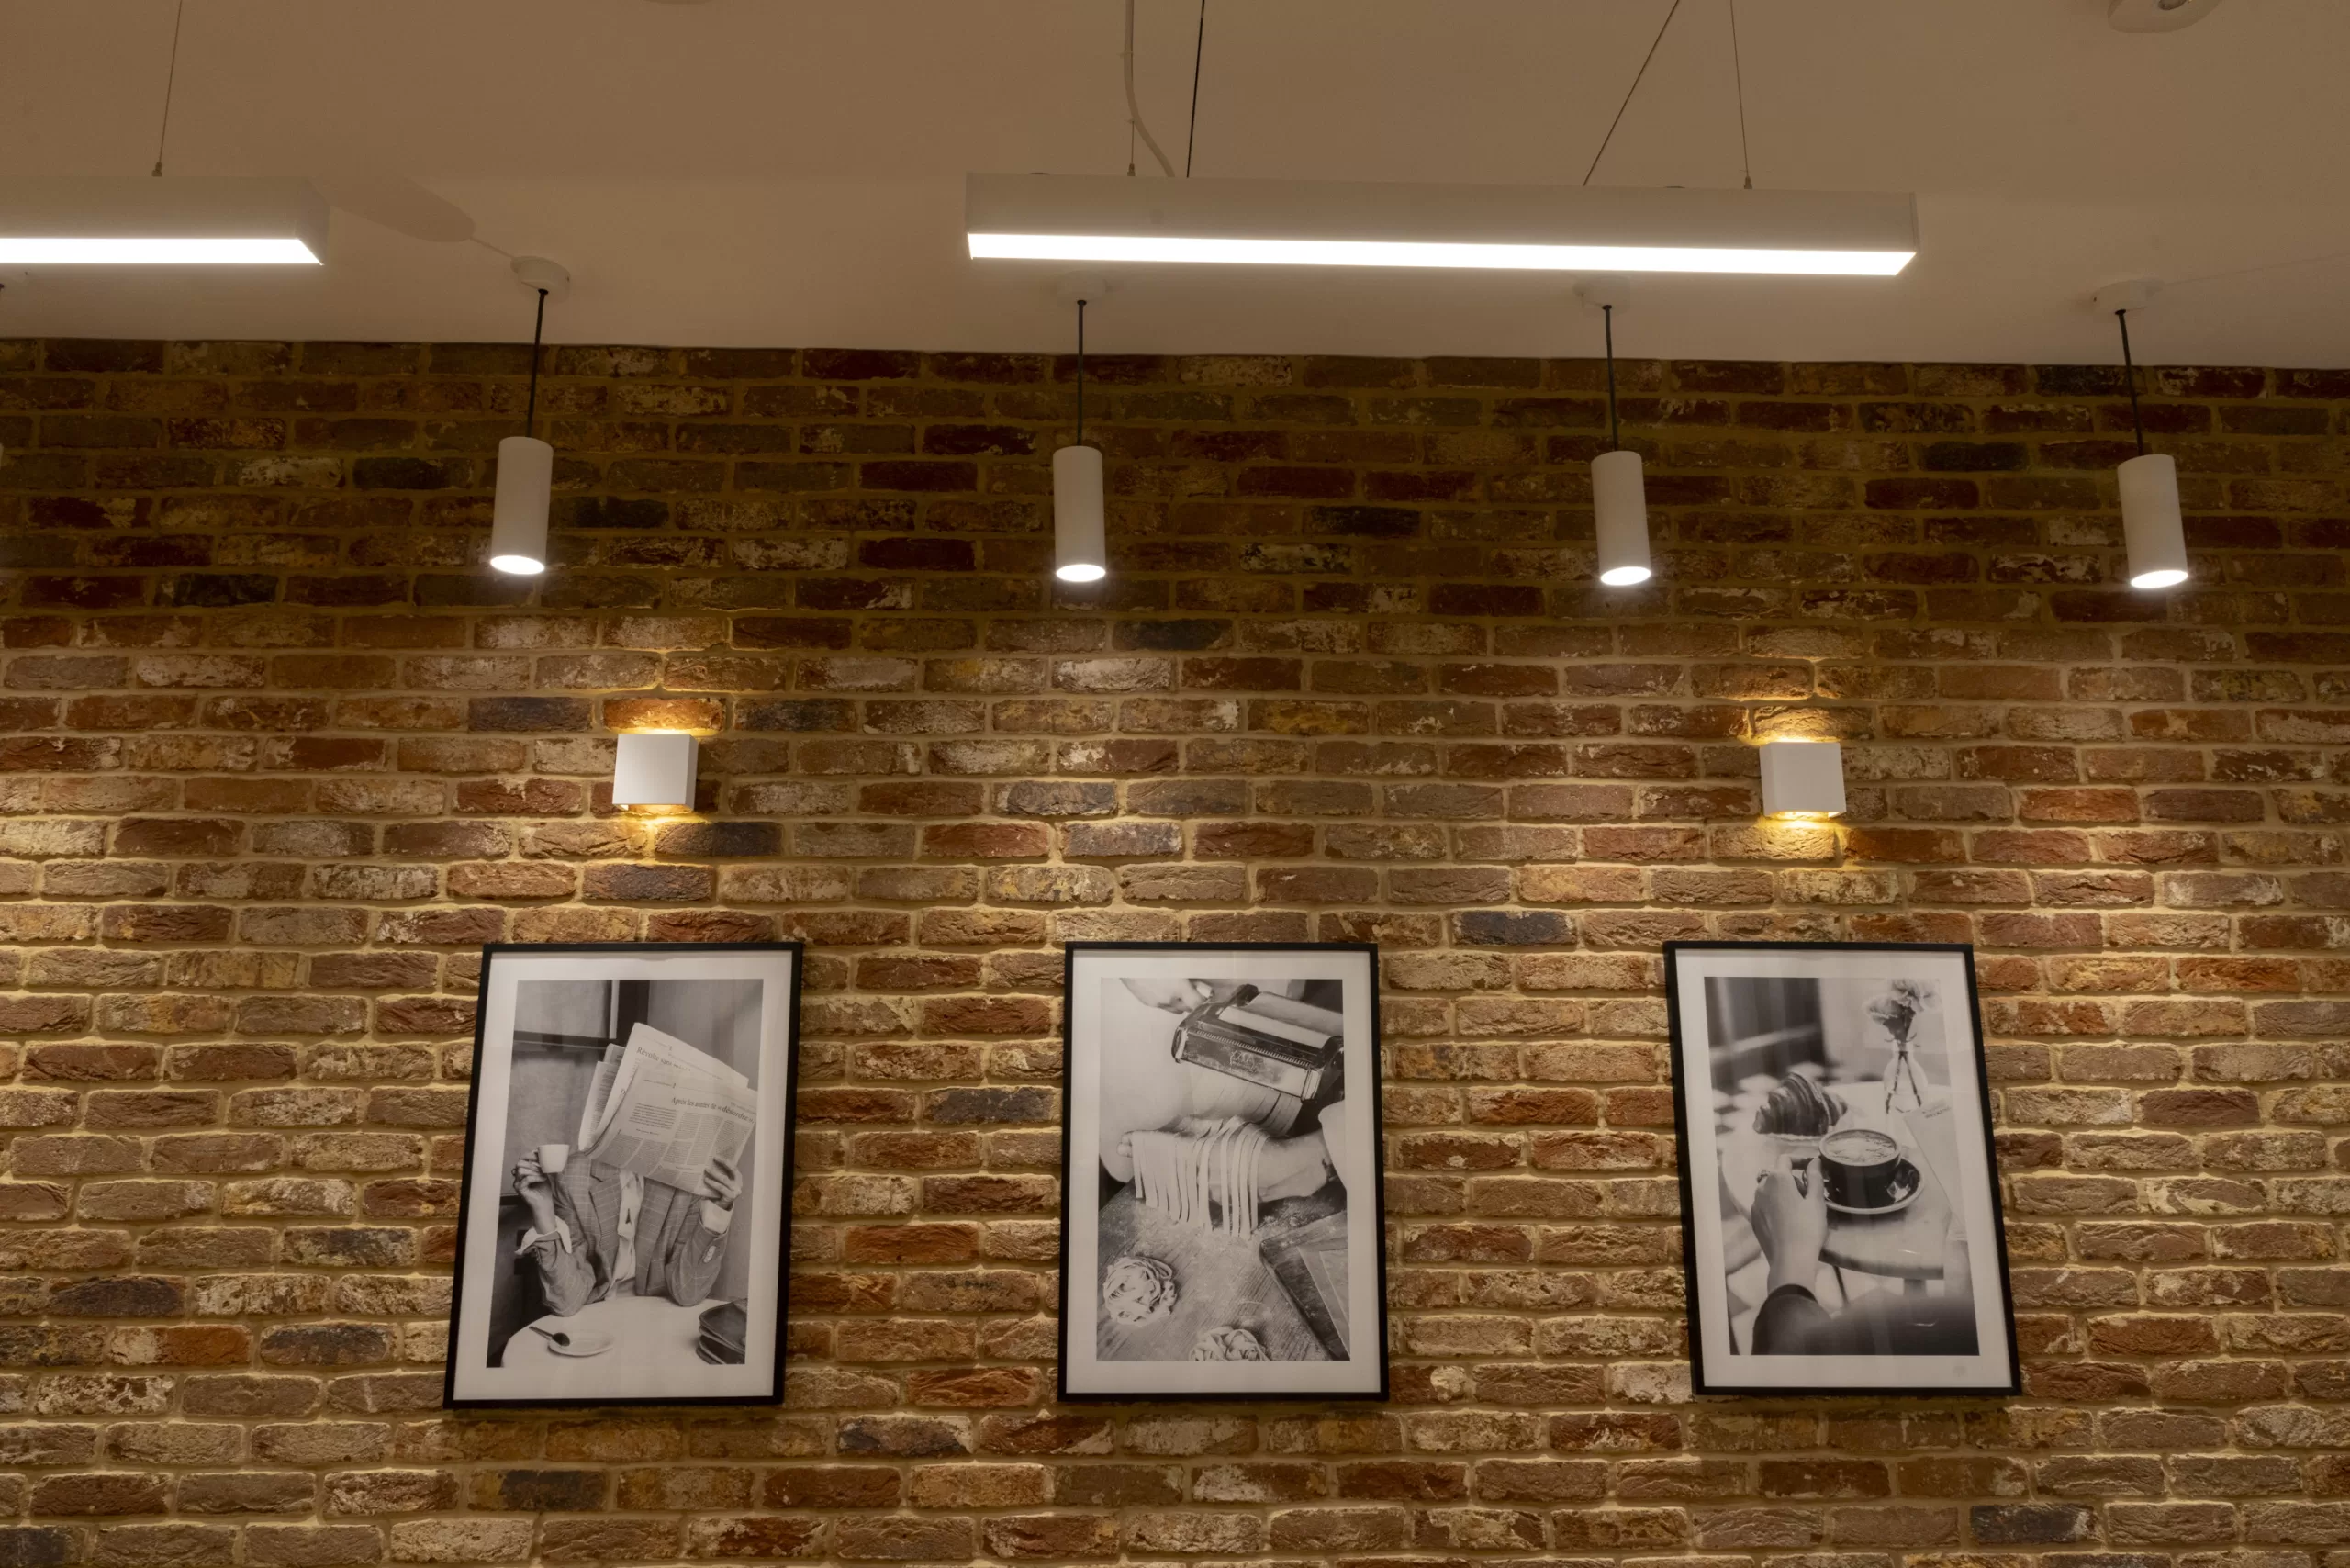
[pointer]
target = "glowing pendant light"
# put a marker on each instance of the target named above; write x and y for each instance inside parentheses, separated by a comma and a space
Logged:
(1620, 502)
(517, 518)
(1080, 542)
(2153, 534)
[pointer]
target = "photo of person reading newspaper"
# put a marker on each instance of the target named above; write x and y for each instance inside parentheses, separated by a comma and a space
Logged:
(624, 1230)
(643, 1204)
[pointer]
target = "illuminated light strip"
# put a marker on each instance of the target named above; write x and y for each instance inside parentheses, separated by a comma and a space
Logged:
(143, 221)
(1104, 219)
(108, 251)
(1432, 253)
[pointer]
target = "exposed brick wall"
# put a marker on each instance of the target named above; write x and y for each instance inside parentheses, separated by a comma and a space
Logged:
(280, 755)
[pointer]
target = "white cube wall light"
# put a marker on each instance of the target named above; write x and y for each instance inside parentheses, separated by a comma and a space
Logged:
(654, 769)
(1803, 779)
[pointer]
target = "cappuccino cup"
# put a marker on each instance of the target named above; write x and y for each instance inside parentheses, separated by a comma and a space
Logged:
(553, 1157)
(1858, 1167)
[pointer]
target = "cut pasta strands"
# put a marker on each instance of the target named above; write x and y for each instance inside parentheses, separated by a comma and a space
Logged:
(1203, 1174)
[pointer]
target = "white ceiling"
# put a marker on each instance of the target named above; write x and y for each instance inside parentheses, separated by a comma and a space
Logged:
(774, 172)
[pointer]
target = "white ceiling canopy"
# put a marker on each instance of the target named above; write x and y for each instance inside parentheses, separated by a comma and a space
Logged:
(758, 172)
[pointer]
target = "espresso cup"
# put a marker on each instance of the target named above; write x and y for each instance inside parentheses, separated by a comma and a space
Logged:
(553, 1157)
(1857, 1167)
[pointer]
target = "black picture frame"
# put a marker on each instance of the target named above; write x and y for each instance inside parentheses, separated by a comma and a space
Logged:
(1084, 1178)
(1716, 1374)
(776, 1194)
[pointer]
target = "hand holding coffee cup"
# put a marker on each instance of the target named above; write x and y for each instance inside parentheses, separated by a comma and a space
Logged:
(1790, 1220)
(535, 1186)
(1861, 1168)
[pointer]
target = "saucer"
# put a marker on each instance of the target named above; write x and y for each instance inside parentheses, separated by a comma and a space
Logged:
(1905, 1176)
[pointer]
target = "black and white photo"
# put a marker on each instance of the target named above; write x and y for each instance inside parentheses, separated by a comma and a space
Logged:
(624, 1223)
(1221, 1206)
(1840, 1203)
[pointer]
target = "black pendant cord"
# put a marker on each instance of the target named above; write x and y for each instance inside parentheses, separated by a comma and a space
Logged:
(1607, 319)
(538, 327)
(1080, 373)
(1199, 49)
(171, 77)
(2130, 368)
(1737, 75)
(1637, 77)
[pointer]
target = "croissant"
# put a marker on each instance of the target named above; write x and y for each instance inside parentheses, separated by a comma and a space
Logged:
(1799, 1107)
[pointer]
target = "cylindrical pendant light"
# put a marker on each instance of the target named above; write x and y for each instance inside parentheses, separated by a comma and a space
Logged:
(2153, 534)
(1080, 533)
(1619, 501)
(517, 518)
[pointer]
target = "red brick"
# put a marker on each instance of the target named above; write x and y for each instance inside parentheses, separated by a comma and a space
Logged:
(1338, 689)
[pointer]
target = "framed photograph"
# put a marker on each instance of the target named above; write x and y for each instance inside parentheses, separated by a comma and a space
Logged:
(625, 1221)
(1840, 1197)
(1220, 1173)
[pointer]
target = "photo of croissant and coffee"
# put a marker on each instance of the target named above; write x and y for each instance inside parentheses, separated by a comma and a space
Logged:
(1838, 1164)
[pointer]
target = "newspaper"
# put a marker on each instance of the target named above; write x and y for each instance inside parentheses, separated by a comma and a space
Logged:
(663, 1109)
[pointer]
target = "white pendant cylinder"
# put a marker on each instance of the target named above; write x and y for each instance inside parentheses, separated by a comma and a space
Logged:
(1619, 505)
(517, 519)
(654, 769)
(1080, 533)
(1803, 779)
(2151, 528)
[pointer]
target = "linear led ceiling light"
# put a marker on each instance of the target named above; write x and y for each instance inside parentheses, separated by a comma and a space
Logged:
(1090, 217)
(202, 220)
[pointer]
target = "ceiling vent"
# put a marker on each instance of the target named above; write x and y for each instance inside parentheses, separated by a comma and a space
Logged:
(2157, 16)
